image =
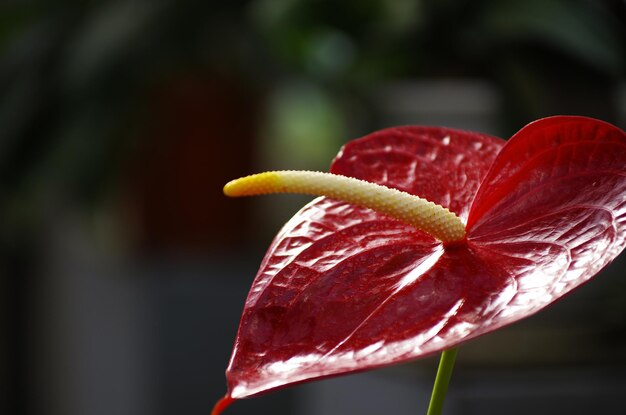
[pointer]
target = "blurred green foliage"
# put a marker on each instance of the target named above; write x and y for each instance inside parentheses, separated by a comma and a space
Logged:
(74, 80)
(364, 40)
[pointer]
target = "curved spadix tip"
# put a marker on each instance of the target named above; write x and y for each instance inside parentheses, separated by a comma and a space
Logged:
(255, 184)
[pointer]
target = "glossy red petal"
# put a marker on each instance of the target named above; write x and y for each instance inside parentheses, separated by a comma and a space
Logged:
(343, 288)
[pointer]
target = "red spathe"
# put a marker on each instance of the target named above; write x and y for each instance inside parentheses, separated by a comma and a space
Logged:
(344, 289)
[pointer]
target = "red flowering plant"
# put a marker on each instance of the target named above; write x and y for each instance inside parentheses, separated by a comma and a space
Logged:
(424, 238)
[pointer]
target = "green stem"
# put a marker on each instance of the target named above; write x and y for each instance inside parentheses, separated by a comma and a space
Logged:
(444, 373)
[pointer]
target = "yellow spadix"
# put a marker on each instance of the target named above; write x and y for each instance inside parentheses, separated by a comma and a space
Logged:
(421, 213)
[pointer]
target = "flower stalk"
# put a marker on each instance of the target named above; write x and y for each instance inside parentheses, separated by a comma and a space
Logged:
(444, 373)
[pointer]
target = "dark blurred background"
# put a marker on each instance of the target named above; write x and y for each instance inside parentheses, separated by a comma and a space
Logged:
(124, 269)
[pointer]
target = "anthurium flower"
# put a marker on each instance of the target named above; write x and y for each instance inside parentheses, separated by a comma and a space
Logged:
(345, 288)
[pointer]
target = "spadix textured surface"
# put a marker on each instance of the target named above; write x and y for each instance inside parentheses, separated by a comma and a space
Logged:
(411, 209)
(344, 288)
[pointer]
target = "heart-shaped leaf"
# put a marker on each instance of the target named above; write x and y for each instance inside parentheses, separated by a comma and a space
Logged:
(344, 288)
